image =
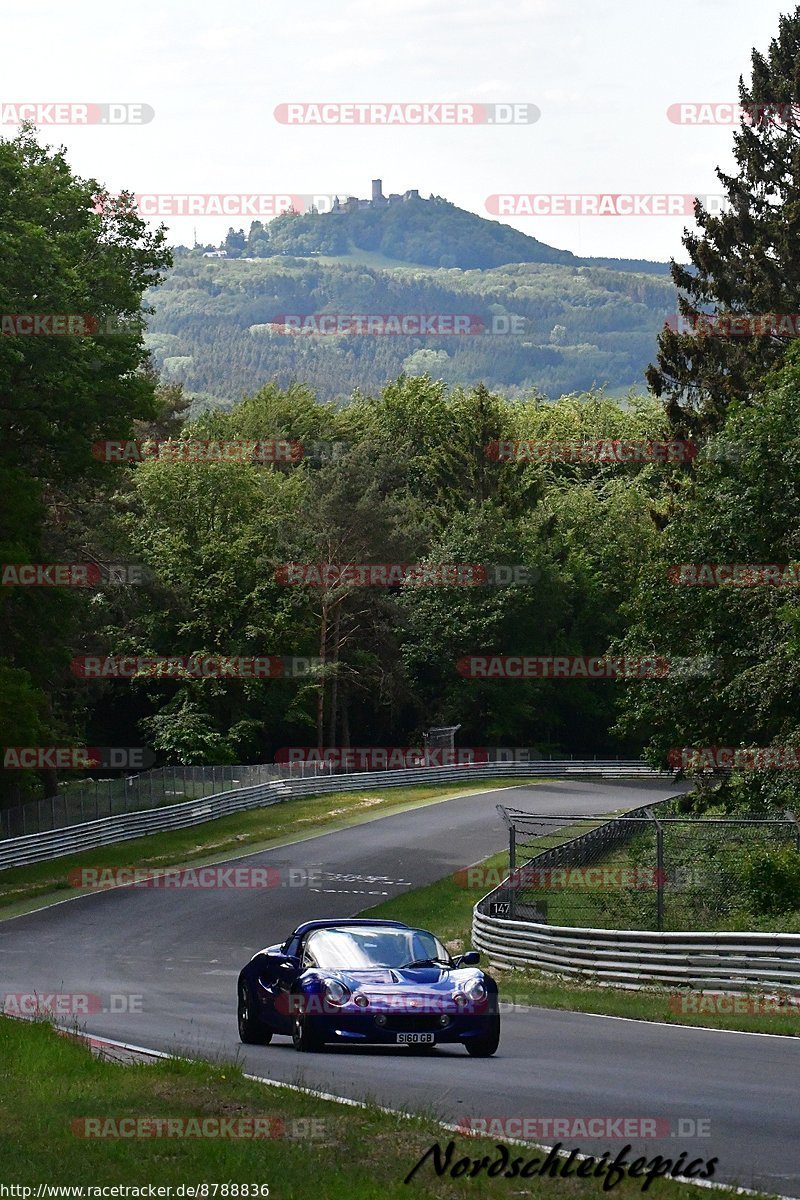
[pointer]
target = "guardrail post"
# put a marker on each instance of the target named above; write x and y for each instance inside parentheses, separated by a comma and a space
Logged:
(659, 870)
(660, 880)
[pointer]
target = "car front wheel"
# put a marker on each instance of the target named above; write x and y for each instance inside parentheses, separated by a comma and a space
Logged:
(251, 1031)
(305, 1036)
(486, 1043)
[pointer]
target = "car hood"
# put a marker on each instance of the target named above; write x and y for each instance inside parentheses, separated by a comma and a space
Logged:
(389, 980)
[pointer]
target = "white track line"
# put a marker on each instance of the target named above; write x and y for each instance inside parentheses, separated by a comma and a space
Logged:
(576, 1012)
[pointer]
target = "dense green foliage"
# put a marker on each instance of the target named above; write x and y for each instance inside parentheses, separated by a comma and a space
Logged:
(433, 233)
(745, 259)
(744, 507)
(58, 393)
(571, 328)
(414, 485)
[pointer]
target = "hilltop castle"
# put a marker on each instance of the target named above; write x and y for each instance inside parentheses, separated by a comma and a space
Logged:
(353, 204)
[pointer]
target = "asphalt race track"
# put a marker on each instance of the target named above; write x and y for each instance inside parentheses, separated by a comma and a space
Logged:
(180, 951)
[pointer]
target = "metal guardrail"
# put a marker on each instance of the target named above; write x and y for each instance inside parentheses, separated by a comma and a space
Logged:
(737, 962)
(731, 962)
(80, 801)
(89, 835)
(83, 800)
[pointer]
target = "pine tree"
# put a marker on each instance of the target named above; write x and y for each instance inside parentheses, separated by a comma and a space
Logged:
(746, 260)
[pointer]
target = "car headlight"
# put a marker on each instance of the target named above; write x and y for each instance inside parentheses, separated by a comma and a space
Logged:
(475, 990)
(336, 992)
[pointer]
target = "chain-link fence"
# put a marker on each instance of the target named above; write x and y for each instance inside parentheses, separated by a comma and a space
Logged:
(90, 799)
(650, 869)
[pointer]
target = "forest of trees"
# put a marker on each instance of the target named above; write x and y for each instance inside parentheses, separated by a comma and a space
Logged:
(413, 479)
(570, 329)
(431, 233)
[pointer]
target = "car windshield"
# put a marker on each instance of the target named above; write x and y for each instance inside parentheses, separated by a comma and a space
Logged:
(358, 949)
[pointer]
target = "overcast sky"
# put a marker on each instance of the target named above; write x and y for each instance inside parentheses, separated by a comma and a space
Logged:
(602, 73)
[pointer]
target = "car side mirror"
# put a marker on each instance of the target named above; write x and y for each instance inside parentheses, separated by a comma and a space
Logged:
(470, 959)
(287, 968)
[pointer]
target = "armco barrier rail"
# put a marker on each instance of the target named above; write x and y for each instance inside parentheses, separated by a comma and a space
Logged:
(737, 962)
(731, 962)
(55, 843)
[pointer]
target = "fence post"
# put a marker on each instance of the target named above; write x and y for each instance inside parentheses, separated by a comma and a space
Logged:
(512, 868)
(659, 870)
(793, 817)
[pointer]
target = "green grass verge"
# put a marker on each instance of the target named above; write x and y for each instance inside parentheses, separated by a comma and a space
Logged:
(446, 909)
(51, 1081)
(25, 888)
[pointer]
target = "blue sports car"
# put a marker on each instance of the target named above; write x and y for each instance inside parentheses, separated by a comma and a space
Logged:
(366, 983)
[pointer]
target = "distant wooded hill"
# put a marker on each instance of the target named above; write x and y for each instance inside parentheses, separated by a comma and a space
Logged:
(432, 233)
(577, 327)
(560, 323)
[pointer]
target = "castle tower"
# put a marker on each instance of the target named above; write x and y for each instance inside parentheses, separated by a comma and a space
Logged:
(377, 191)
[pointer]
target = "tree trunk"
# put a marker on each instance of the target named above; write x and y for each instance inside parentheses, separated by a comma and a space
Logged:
(345, 715)
(335, 680)
(323, 645)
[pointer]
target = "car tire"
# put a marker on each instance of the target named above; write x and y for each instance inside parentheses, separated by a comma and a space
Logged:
(486, 1043)
(251, 1031)
(305, 1036)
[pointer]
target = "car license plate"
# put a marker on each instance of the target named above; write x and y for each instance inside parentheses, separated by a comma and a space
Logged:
(416, 1039)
